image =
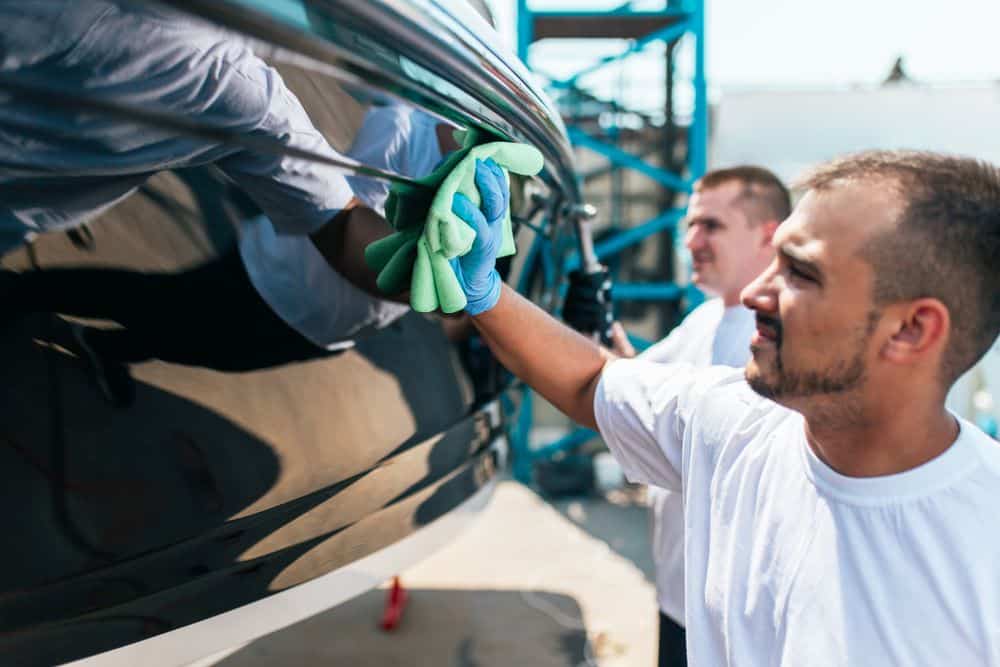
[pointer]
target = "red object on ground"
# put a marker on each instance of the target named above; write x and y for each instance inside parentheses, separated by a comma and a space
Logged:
(395, 602)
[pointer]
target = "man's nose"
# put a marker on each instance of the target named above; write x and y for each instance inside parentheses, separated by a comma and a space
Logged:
(695, 238)
(760, 294)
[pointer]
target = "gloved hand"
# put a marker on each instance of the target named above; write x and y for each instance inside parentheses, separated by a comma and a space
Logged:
(476, 270)
(419, 255)
(588, 307)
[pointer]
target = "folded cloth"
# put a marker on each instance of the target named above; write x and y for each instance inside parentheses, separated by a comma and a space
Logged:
(421, 252)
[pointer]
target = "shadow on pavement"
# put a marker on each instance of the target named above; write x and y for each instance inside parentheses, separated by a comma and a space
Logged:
(453, 628)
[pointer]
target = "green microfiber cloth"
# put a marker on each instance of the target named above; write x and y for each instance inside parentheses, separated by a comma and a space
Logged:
(420, 252)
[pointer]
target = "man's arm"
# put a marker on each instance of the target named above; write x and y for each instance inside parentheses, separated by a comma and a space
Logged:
(559, 363)
(644, 407)
(343, 240)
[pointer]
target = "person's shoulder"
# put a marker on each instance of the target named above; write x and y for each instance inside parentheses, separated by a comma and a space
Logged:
(711, 309)
(640, 369)
(397, 117)
(968, 501)
(702, 318)
(740, 315)
(714, 404)
(987, 449)
(686, 383)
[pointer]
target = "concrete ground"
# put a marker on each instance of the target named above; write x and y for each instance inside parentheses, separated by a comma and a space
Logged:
(532, 583)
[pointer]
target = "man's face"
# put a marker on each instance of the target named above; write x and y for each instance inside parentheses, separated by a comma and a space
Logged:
(815, 316)
(726, 251)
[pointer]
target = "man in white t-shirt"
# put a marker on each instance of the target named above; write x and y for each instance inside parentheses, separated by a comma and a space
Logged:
(835, 513)
(731, 218)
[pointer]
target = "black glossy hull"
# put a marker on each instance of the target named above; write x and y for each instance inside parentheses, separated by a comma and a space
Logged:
(214, 490)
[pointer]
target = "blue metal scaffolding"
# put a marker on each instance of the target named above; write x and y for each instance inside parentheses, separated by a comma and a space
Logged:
(678, 25)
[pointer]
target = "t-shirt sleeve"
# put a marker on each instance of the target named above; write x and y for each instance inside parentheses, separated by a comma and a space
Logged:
(644, 411)
(299, 195)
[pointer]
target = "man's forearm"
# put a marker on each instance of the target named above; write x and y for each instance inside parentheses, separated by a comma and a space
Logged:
(559, 363)
(343, 240)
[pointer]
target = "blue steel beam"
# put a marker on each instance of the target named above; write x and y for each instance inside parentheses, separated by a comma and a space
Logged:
(579, 95)
(638, 342)
(648, 291)
(698, 138)
(668, 34)
(605, 169)
(671, 180)
(567, 443)
(671, 12)
(666, 220)
(691, 20)
(525, 33)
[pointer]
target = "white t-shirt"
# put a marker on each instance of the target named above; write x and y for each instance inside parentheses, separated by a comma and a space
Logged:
(787, 561)
(295, 279)
(711, 335)
(60, 166)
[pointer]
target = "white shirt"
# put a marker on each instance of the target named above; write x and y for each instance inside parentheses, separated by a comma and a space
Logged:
(60, 166)
(295, 279)
(711, 334)
(789, 562)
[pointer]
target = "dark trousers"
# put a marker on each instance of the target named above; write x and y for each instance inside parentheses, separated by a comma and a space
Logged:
(209, 316)
(673, 647)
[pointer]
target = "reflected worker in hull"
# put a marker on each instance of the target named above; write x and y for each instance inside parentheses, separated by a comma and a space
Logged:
(272, 300)
(297, 287)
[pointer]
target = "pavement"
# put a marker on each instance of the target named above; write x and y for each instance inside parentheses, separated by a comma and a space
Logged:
(561, 584)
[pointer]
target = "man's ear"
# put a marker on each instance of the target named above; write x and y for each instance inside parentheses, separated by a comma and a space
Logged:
(921, 328)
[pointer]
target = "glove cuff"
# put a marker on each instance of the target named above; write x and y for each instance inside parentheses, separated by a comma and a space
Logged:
(489, 297)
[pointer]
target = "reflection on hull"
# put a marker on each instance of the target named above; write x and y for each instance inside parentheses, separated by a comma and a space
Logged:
(234, 629)
(218, 491)
(213, 490)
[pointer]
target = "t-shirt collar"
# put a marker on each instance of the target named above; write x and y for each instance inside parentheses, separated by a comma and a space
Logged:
(956, 461)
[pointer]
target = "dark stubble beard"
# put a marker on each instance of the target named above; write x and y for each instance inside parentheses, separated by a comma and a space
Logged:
(839, 378)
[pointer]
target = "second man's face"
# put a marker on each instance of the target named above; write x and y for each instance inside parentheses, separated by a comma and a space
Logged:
(726, 251)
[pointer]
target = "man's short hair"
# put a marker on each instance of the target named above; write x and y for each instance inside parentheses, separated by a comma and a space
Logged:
(764, 196)
(946, 244)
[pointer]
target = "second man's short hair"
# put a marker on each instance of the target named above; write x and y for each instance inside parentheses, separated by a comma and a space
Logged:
(764, 196)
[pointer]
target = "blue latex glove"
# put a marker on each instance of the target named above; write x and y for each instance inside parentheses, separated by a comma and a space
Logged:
(476, 269)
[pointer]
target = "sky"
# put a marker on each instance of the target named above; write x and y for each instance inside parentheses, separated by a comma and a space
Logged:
(799, 43)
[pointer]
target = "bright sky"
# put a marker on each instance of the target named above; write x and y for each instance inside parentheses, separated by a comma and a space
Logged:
(804, 43)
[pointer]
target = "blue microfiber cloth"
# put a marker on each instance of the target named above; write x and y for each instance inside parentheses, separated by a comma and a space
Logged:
(420, 252)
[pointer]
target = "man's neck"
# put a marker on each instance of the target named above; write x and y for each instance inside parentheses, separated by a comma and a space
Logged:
(882, 444)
